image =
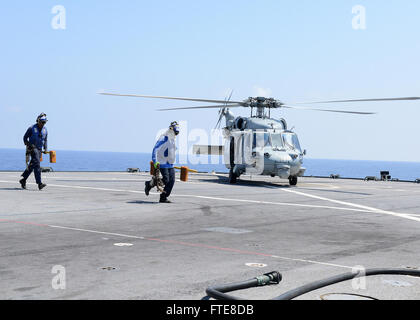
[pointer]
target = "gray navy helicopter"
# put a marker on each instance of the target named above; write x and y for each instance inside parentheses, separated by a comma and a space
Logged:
(259, 144)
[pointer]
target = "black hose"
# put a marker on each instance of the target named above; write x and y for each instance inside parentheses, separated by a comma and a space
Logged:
(219, 292)
(344, 277)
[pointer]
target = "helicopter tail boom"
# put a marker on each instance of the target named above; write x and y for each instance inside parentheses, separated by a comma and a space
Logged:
(208, 150)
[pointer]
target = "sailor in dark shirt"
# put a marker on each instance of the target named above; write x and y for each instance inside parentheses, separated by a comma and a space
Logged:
(35, 140)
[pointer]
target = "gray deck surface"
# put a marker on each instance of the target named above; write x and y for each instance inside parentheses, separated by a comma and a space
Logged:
(212, 233)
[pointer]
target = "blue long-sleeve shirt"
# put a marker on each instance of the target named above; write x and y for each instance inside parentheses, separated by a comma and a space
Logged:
(164, 150)
(35, 136)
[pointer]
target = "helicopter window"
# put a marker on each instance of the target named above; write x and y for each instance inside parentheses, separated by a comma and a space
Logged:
(292, 141)
(276, 140)
(267, 141)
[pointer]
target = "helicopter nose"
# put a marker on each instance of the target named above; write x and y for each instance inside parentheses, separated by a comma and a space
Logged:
(283, 164)
(280, 157)
(280, 163)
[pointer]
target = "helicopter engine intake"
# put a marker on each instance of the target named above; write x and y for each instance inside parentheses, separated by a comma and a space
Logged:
(240, 123)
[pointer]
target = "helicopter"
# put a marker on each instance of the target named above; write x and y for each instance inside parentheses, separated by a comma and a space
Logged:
(258, 144)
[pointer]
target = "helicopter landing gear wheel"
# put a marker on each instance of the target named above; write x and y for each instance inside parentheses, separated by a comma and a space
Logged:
(232, 177)
(293, 180)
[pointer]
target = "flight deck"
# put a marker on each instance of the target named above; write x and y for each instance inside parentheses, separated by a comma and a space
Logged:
(96, 235)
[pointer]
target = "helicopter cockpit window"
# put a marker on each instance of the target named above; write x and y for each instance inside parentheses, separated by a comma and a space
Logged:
(276, 141)
(291, 141)
(265, 136)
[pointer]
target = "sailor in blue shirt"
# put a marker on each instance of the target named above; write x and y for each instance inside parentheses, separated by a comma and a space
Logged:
(35, 140)
(164, 155)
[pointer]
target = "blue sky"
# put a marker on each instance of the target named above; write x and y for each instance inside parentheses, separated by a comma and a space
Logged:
(292, 50)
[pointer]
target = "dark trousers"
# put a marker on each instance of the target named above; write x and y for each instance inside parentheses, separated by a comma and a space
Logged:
(34, 165)
(168, 177)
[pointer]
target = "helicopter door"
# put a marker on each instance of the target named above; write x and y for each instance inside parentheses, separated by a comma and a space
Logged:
(253, 152)
(232, 152)
(226, 153)
(239, 149)
(247, 148)
(229, 152)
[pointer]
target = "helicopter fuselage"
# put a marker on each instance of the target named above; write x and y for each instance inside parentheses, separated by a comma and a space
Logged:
(262, 146)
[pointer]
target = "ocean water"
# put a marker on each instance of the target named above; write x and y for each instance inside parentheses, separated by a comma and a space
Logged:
(14, 160)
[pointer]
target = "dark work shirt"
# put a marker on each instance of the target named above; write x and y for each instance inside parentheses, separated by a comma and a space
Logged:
(37, 137)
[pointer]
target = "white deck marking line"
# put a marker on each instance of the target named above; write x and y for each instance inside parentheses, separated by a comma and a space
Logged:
(378, 187)
(314, 262)
(366, 208)
(183, 243)
(57, 178)
(191, 244)
(98, 232)
(94, 188)
(217, 198)
(211, 198)
(94, 179)
(199, 245)
(310, 184)
(361, 207)
(271, 203)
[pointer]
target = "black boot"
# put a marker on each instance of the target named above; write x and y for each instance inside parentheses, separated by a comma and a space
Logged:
(147, 187)
(23, 183)
(41, 186)
(163, 198)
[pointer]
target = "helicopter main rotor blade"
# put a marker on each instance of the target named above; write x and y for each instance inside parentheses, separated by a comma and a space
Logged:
(329, 110)
(171, 98)
(221, 111)
(366, 100)
(204, 107)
